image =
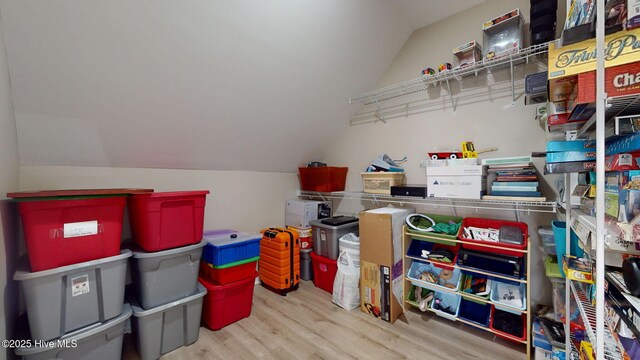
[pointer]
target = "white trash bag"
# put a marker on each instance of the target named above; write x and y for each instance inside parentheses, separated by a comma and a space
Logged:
(346, 291)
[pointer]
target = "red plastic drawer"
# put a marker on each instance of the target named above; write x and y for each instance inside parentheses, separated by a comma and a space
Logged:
(69, 231)
(324, 272)
(165, 220)
(518, 321)
(227, 275)
(494, 224)
(226, 304)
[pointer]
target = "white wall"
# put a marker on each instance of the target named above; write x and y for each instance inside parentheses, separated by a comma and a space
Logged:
(241, 200)
(8, 183)
(488, 120)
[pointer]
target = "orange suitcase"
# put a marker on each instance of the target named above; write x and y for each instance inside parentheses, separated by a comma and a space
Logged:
(279, 264)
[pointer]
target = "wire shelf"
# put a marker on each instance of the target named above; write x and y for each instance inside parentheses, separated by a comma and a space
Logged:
(616, 106)
(588, 314)
(526, 206)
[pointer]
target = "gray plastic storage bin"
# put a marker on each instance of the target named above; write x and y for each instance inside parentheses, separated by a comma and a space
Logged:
(71, 297)
(164, 276)
(96, 342)
(167, 327)
(306, 268)
(326, 235)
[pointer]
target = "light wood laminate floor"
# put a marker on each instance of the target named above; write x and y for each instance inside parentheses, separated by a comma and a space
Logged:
(305, 324)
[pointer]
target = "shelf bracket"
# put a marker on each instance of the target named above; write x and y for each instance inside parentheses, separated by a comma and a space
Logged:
(513, 86)
(379, 113)
(453, 209)
(375, 200)
(517, 212)
(453, 106)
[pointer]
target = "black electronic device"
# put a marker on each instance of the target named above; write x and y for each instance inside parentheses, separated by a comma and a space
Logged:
(631, 275)
(417, 190)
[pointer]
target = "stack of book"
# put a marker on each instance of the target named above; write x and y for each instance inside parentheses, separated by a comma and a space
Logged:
(512, 179)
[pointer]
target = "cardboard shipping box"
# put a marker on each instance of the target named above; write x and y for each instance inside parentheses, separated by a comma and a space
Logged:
(381, 272)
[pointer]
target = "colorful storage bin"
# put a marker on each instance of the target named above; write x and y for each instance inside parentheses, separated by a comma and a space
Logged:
(437, 237)
(508, 325)
(324, 272)
(65, 231)
(229, 273)
(228, 248)
(225, 304)
(324, 178)
(165, 220)
(446, 304)
(475, 312)
(503, 248)
(509, 296)
(417, 247)
(432, 276)
(165, 276)
(511, 266)
(475, 284)
(68, 298)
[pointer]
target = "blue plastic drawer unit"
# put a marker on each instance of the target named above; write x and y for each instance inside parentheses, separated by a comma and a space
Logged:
(227, 248)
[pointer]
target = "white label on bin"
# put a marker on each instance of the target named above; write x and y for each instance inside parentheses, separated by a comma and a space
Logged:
(323, 235)
(82, 228)
(79, 285)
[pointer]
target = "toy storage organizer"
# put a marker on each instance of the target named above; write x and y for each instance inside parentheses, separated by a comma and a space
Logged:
(484, 287)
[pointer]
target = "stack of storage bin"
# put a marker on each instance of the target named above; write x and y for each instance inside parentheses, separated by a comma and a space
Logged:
(74, 279)
(306, 247)
(228, 271)
(326, 235)
(167, 299)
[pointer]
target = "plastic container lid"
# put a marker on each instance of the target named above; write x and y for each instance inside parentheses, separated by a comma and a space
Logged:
(339, 220)
(22, 273)
(545, 230)
(235, 263)
(141, 254)
(140, 312)
(172, 194)
(218, 232)
(230, 239)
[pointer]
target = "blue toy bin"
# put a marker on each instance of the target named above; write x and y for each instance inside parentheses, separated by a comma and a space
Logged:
(433, 281)
(560, 236)
(450, 300)
(518, 289)
(475, 312)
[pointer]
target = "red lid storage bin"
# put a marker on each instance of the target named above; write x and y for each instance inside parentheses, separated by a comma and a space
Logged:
(500, 247)
(508, 325)
(223, 275)
(323, 178)
(165, 220)
(324, 272)
(68, 231)
(226, 304)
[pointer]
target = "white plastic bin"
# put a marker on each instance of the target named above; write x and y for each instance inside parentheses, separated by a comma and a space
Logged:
(71, 297)
(169, 326)
(96, 342)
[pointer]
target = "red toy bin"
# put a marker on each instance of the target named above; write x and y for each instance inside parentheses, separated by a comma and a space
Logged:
(228, 275)
(66, 231)
(165, 220)
(226, 304)
(520, 319)
(323, 178)
(494, 224)
(324, 272)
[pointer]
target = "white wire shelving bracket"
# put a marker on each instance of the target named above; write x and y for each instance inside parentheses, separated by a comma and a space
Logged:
(517, 206)
(423, 83)
(588, 313)
(619, 105)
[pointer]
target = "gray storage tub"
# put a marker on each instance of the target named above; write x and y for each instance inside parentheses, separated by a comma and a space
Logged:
(327, 232)
(71, 297)
(306, 268)
(167, 327)
(164, 276)
(96, 342)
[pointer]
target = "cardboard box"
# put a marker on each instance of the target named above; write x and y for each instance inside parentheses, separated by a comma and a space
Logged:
(633, 14)
(464, 182)
(615, 181)
(626, 161)
(611, 203)
(381, 271)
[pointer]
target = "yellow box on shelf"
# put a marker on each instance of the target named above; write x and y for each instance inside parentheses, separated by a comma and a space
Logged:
(578, 269)
(381, 182)
(586, 351)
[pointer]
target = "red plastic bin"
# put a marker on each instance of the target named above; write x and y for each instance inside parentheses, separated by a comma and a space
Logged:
(324, 272)
(165, 220)
(225, 304)
(224, 276)
(520, 318)
(494, 224)
(324, 178)
(68, 231)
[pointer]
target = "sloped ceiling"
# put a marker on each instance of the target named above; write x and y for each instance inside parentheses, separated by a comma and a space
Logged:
(195, 84)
